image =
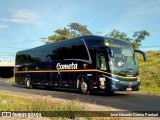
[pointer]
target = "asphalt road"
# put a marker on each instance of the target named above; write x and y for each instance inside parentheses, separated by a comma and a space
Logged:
(126, 101)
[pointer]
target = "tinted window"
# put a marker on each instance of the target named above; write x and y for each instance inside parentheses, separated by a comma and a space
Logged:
(60, 52)
(26, 58)
(75, 50)
(93, 43)
(78, 51)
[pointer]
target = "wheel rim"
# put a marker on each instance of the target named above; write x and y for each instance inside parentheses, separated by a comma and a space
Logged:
(84, 86)
(28, 83)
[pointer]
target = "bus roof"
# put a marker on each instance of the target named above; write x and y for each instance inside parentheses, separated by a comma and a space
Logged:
(85, 38)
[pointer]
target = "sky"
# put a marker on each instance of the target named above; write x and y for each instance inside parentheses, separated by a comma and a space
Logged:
(23, 23)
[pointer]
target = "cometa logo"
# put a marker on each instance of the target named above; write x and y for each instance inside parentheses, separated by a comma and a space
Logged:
(66, 66)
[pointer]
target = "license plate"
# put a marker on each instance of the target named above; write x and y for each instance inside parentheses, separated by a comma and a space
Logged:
(129, 89)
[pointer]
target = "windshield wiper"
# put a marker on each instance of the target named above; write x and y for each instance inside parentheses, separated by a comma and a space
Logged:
(127, 71)
(130, 69)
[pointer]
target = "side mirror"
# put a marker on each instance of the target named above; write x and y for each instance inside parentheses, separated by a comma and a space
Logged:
(143, 53)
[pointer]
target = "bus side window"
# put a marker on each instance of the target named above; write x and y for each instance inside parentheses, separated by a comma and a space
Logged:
(102, 61)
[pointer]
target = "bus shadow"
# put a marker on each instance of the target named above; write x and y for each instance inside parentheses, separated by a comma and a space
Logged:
(94, 93)
(18, 85)
(65, 91)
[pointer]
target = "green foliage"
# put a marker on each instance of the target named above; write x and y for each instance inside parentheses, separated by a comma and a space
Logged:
(119, 35)
(11, 80)
(60, 34)
(150, 73)
(136, 39)
(73, 30)
(138, 36)
(76, 29)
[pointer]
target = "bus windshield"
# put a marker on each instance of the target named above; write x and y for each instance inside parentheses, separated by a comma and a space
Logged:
(124, 61)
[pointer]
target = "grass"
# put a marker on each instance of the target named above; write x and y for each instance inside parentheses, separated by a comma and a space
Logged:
(19, 103)
(11, 80)
(10, 101)
(150, 73)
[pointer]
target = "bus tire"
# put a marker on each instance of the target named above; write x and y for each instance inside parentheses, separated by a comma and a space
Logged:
(29, 84)
(84, 87)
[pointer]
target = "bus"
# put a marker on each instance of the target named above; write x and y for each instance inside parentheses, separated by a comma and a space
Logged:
(86, 63)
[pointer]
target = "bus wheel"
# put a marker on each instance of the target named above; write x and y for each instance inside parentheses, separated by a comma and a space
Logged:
(28, 84)
(84, 87)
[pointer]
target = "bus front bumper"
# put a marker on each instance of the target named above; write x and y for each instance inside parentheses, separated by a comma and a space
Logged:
(125, 86)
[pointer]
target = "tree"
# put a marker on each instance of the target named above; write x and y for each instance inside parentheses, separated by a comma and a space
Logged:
(136, 39)
(77, 29)
(119, 35)
(74, 30)
(138, 36)
(60, 34)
